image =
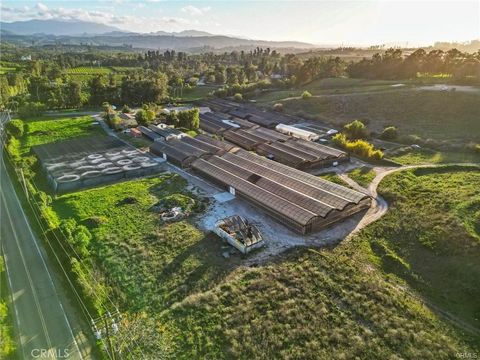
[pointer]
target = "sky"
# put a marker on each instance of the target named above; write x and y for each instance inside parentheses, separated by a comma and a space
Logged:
(366, 22)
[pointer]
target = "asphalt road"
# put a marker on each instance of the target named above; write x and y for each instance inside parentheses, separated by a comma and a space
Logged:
(46, 324)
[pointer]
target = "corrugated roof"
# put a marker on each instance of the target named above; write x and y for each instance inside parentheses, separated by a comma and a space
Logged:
(209, 148)
(317, 148)
(161, 147)
(149, 133)
(307, 202)
(218, 143)
(275, 168)
(280, 155)
(240, 140)
(270, 134)
(258, 194)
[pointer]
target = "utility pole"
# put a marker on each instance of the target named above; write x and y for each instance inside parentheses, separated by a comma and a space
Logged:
(109, 340)
(107, 325)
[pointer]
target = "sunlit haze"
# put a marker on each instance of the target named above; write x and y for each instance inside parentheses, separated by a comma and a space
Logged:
(318, 22)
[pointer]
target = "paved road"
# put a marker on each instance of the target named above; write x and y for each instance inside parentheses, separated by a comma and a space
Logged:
(39, 300)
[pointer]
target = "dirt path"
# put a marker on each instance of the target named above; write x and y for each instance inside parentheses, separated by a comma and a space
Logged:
(379, 205)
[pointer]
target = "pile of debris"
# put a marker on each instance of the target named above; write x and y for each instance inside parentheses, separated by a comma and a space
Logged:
(239, 233)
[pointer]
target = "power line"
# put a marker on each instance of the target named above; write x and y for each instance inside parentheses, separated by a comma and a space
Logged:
(38, 217)
(35, 210)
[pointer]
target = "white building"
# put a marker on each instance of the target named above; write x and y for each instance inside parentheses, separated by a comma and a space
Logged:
(296, 132)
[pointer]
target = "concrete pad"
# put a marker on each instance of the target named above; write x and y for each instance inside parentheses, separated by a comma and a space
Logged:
(223, 197)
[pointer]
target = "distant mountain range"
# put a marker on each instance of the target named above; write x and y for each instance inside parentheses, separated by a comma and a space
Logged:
(54, 32)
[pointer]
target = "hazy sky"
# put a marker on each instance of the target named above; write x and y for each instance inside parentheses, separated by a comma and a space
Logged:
(319, 22)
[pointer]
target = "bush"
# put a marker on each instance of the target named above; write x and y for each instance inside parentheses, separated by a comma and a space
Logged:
(238, 97)
(306, 94)
(189, 119)
(15, 128)
(126, 109)
(355, 130)
(389, 133)
(144, 116)
(360, 148)
(13, 148)
(278, 107)
(31, 109)
(115, 122)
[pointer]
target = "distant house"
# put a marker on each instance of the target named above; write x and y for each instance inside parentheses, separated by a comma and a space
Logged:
(26, 58)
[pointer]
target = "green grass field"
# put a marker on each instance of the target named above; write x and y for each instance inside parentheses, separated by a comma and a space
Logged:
(331, 86)
(333, 178)
(431, 114)
(371, 297)
(6, 70)
(355, 301)
(46, 130)
(102, 70)
(431, 236)
(150, 265)
(197, 92)
(440, 115)
(423, 156)
(363, 176)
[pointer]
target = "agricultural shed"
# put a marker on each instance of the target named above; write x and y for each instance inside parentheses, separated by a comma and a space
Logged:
(240, 140)
(178, 156)
(298, 200)
(273, 152)
(205, 146)
(165, 132)
(149, 133)
(218, 143)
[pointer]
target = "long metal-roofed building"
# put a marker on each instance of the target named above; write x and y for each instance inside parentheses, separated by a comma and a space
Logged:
(301, 201)
(218, 143)
(296, 153)
(165, 132)
(177, 151)
(151, 135)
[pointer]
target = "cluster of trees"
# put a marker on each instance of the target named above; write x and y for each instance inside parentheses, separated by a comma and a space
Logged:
(392, 64)
(353, 140)
(361, 148)
(187, 119)
(78, 236)
(155, 76)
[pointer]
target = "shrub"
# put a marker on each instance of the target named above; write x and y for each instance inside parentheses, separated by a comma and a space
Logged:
(306, 94)
(115, 122)
(126, 109)
(15, 128)
(389, 133)
(278, 107)
(360, 148)
(189, 119)
(13, 148)
(31, 109)
(238, 97)
(355, 130)
(145, 116)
